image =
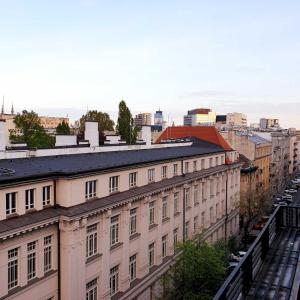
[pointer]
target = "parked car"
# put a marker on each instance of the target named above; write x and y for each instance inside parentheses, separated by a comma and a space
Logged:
(291, 191)
(283, 203)
(231, 267)
(288, 196)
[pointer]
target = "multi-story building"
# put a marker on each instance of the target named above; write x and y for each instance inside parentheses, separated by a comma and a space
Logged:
(269, 124)
(200, 116)
(236, 120)
(105, 225)
(142, 119)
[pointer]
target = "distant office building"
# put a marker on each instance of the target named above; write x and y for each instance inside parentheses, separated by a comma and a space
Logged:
(221, 122)
(199, 116)
(236, 120)
(268, 123)
(142, 119)
(158, 118)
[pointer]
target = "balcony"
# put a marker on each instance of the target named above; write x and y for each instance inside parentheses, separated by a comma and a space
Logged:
(268, 270)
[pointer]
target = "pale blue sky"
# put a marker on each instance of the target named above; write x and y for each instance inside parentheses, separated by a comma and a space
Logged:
(60, 56)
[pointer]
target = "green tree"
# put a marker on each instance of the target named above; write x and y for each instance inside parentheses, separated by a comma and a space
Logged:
(125, 126)
(103, 119)
(63, 128)
(197, 274)
(29, 130)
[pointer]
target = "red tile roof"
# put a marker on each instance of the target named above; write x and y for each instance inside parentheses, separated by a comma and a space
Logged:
(206, 133)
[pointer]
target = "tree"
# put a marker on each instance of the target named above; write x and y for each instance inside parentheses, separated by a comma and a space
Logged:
(197, 274)
(125, 126)
(63, 128)
(103, 119)
(29, 130)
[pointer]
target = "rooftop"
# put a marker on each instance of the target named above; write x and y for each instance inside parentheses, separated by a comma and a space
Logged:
(68, 165)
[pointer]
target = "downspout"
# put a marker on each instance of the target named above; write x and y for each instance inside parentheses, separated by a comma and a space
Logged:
(226, 205)
(183, 207)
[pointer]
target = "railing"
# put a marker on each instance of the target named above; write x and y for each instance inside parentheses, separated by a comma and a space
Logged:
(239, 282)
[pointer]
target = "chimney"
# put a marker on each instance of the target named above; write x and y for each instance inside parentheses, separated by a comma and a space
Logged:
(146, 135)
(3, 133)
(91, 133)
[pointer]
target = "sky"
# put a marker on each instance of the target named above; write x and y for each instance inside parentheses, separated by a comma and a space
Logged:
(64, 57)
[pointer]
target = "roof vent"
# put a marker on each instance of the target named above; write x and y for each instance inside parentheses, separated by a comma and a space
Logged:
(6, 172)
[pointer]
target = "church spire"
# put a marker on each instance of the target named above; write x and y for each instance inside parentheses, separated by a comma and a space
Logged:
(2, 110)
(12, 109)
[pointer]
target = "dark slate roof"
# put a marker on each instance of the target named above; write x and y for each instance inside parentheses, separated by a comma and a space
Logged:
(68, 165)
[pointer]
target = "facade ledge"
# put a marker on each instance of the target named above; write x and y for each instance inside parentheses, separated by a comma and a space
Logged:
(93, 258)
(116, 246)
(177, 214)
(134, 236)
(153, 226)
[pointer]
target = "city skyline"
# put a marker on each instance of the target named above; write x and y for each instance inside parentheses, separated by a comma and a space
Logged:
(227, 56)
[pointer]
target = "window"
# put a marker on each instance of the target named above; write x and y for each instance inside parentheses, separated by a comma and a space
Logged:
(114, 184)
(211, 187)
(13, 268)
(186, 230)
(31, 260)
(195, 224)
(175, 169)
(217, 161)
(151, 175)
(175, 203)
(11, 206)
(151, 255)
(217, 210)
(29, 199)
(114, 280)
(203, 191)
(91, 240)
(47, 253)
(223, 160)
(211, 214)
(175, 238)
(187, 197)
(203, 219)
(132, 179)
(46, 195)
(132, 267)
(164, 172)
(151, 213)
(90, 189)
(194, 165)
(132, 223)
(114, 230)
(91, 290)
(164, 246)
(210, 162)
(196, 200)
(164, 208)
(202, 164)
(186, 167)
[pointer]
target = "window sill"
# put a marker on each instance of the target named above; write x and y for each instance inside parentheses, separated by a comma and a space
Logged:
(177, 214)
(30, 210)
(13, 215)
(188, 207)
(114, 192)
(153, 226)
(134, 236)
(196, 203)
(47, 206)
(116, 246)
(93, 258)
(91, 198)
(165, 219)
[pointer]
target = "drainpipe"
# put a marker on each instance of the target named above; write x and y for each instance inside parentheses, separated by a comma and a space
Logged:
(226, 205)
(183, 206)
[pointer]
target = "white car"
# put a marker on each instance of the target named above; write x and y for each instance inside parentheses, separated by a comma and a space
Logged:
(291, 191)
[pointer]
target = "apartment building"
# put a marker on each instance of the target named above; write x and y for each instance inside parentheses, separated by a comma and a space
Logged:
(105, 225)
(199, 116)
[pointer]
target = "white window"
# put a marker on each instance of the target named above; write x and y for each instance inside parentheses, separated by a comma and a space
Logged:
(186, 167)
(164, 246)
(196, 200)
(186, 230)
(90, 189)
(223, 160)
(114, 184)
(151, 255)
(11, 205)
(151, 213)
(164, 208)
(210, 162)
(151, 175)
(211, 187)
(132, 179)
(114, 280)
(47, 253)
(13, 270)
(175, 238)
(91, 240)
(194, 165)
(195, 224)
(132, 267)
(91, 290)
(114, 230)
(164, 172)
(132, 223)
(46, 195)
(175, 203)
(29, 199)
(31, 260)
(187, 197)
(175, 169)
